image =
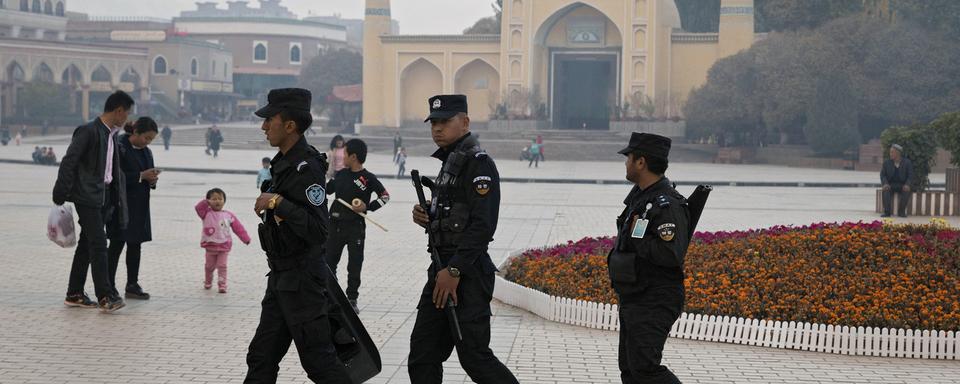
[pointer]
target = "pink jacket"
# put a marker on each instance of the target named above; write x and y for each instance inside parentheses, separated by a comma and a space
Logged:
(216, 228)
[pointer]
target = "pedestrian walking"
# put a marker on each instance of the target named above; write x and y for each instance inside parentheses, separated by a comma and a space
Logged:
(401, 162)
(166, 134)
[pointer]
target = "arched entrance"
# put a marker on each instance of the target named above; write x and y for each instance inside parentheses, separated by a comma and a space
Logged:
(14, 78)
(578, 52)
(481, 83)
(419, 81)
(101, 86)
(72, 80)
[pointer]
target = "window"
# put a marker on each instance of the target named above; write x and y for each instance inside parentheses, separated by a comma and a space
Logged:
(25, 5)
(36, 7)
(295, 53)
(259, 51)
(159, 66)
(194, 66)
(48, 7)
(60, 11)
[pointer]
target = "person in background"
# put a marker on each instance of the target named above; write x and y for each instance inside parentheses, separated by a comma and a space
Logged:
(18, 138)
(355, 185)
(216, 238)
(401, 162)
(397, 144)
(136, 163)
(216, 138)
(534, 154)
(896, 175)
(38, 154)
(90, 177)
(540, 142)
(49, 157)
(166, 134)
(336, 155)
(264, 174)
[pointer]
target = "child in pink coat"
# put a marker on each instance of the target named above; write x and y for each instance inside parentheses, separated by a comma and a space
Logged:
(216, 238)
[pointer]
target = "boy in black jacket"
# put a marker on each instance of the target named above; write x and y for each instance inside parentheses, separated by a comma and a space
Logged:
(355, 185)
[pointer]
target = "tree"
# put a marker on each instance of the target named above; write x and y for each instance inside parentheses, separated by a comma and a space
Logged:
(488, 25)
(831, 126)
(333, 67)
(935, 15)
(788, 15)
(947, 128)
(896, 74)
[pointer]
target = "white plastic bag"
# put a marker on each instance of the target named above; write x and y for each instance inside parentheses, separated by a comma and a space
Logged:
(60, 228)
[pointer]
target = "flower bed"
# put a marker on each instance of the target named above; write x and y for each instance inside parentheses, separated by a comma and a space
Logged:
(853, 274)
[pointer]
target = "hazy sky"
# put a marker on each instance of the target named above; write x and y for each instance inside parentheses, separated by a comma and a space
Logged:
(415, 16)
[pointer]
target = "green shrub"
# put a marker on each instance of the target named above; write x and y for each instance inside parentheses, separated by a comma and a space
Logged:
(947, 127)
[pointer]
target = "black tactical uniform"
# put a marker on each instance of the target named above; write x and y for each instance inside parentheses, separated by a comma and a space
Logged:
(296, 303)
(347, 228)
(464, 212)
(646, 268)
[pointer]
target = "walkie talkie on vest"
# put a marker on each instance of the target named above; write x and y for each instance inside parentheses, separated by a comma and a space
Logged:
(451, 307)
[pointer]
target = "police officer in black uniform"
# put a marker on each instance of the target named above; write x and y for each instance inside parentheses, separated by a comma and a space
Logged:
(462, 219)
(294, 211)
(646, 263)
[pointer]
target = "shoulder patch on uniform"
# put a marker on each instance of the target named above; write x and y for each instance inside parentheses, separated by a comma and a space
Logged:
(481, 184)
(662, 201)
(479, 154)
(667, 231)
(301, 165)
(316, 194)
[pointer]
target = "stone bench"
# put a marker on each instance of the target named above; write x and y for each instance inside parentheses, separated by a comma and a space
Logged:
(928, 203)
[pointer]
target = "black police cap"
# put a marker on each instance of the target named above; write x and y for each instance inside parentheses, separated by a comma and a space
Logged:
(648, 144)
(446, 106)
(285, 99)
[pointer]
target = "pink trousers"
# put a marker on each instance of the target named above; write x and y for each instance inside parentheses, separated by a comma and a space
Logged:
(216, 260)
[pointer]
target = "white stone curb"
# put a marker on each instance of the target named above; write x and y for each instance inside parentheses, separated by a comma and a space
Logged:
(841, 340)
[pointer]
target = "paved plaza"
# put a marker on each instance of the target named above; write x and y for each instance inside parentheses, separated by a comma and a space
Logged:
(185, 334)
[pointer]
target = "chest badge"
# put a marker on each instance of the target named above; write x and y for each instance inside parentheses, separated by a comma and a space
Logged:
(316, 194)
(667, 231)
(481, 184)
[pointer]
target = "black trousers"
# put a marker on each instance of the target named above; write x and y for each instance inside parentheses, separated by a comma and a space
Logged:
(294, 308)
(431, 342)
(644, 326)
(351, 234)
(91, 252)
(166, 144)
(133, 260)
(888, 200)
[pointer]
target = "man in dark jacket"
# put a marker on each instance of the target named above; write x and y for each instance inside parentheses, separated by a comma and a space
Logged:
(646, 262)
(90, 177)
(896, 176)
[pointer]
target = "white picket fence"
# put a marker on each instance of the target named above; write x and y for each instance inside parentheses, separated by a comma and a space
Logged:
(843, 340)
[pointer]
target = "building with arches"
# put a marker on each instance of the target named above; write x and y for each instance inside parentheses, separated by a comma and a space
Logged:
(33, 50)
(270, 45)
(568, 63)
(188, 77)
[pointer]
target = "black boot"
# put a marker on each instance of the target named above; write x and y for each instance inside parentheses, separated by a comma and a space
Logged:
(135, 292)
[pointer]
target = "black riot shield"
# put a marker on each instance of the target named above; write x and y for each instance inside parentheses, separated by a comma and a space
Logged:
(696, 202)
(354, 345)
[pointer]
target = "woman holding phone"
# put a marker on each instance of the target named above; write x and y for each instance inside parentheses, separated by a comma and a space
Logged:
(136, 162)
